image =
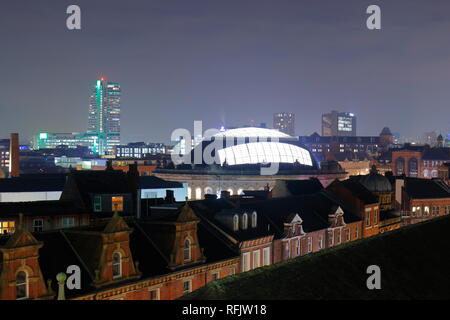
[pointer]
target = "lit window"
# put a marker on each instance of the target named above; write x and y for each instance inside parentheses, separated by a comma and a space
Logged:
(266, 256)
(21, 285)
(256, 259)
(7, 227)
(309, 244)
(254, 219)
(117, 203)
(235, 222)
(244, 221)
(198, 193)
(117, 265)
(246, 261)
(320, 241)
(187, 250)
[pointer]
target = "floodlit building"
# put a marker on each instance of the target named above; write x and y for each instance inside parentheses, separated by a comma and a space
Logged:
(104, 112)
(240, 159)
(338, 124)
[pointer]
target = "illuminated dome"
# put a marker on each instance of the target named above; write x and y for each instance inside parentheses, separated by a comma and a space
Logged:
(264, 152)
(253, 132)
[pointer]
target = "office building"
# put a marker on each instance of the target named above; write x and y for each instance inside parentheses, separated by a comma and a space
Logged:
(104, 113)
(284, 122)
(338, 124)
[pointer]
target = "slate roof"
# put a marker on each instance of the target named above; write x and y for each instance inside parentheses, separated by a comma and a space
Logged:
(106, 182)
(300, 187)
(33, 183)
(41, 208)
(360, 191)
(152, 182)
(418, 188)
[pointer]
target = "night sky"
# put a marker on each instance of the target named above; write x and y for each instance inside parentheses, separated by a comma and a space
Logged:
(225, 61)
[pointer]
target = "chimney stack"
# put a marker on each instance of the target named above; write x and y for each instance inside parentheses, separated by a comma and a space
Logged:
(14, 164)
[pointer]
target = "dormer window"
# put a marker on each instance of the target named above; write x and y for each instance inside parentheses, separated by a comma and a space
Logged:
(21, 285)
(254, 219)
(187, 250)
(235, 222)
(117, 265)
(244, 221)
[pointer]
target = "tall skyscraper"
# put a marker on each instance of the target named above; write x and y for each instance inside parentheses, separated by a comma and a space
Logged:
(284, 122)
(338, 124)
(104, 113)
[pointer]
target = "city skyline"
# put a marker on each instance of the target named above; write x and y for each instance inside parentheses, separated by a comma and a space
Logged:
(226, 63)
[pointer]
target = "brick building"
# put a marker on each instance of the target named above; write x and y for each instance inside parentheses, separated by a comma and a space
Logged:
(421, 199)
(117, 259)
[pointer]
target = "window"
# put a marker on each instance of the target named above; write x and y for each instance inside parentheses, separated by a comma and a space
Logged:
(246, 261)
(68, 222)
(427, 211)
(254, 219)
(38, 225)
(97, 203)
(435, 210)
(232, 271)
(117, 265)
(320, 241)
(266, 256)
(368, 218)
(154, 294)
(187, 286)
(375, 216)
(287, 251)
(7, 227)
(357, 232)
(21, 285)
(214, 276)
(331, 238)
(447, 210)
(117, 203)
(298, 247)
(244, 221)
(339, 236)
(256, 259)
(347, 235)
(187, 250)
(309, 244)
(235, 222)
(198, 194)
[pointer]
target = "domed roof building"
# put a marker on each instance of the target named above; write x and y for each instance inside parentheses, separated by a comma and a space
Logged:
(378, 185)
(376, 182)
(241, 159)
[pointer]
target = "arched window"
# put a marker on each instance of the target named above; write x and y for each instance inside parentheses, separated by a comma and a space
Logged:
(413, 167)
(208, 190)
(21, 285)
(244, 221)
(230, 191)
(187, 250)
(235, 222)
(254, 219)
(198, 194)
(400, 166)
(189, 193)
(117, 265)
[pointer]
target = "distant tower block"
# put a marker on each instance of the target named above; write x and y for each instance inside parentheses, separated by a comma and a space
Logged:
(14, 165)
